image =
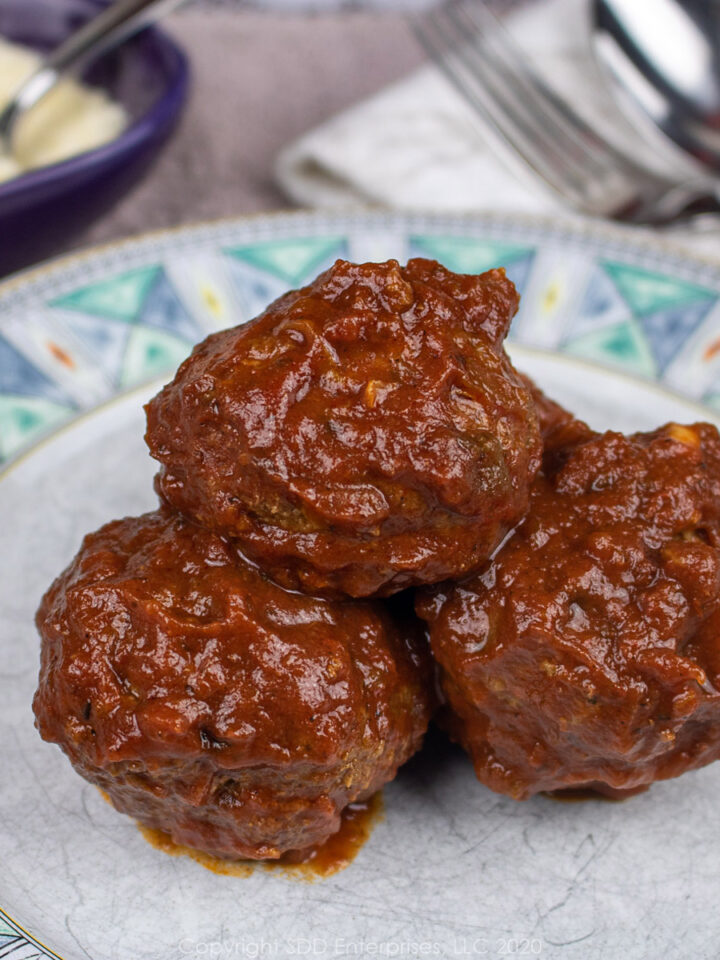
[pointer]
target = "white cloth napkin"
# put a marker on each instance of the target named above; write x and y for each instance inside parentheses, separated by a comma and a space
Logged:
(418, 145)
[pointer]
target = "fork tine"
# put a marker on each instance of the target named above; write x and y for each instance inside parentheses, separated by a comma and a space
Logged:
(557, 112)
(477, 78)
(474, 19)
(465, 40)
(502, 78)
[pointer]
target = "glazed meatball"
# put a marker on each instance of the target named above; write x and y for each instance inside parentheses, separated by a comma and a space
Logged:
(587, 653)
(364, 434)
(212, 704)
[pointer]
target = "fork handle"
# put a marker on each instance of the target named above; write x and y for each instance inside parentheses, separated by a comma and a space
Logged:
(114, 24)
(682, 206)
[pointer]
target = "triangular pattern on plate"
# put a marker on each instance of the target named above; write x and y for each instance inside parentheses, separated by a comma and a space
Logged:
(467, 254)
(294, 261)
(105, 340)
(164, 310)
(622, 346)
(253, 289)
(19, 376)
(25, 419)
(646, 291)
(152, 353)
(120, 297)
(668, 330)
(601, 305)
(203, 283)
(519, 271)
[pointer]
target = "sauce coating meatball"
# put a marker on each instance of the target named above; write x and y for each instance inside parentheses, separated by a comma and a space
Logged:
(364, 434)
(587, 653)
(212, 704)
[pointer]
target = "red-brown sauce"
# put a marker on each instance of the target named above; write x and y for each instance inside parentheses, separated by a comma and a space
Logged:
(358, 821)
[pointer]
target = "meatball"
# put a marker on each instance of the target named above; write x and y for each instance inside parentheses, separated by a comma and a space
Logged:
(363, 435)
(212, 704)
(587, 653)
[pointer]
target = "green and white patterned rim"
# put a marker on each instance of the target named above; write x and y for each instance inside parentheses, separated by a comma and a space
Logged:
(77, 332)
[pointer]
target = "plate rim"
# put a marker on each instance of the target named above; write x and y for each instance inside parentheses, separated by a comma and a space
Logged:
(19, 291)
(584, 229)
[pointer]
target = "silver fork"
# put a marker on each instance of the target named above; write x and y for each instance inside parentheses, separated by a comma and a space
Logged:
(472, 47)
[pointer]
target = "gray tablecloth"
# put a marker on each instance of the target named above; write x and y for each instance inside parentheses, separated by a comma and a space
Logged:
(259, 81)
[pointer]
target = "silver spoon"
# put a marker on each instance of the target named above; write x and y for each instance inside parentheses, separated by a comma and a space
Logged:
(116, 23)
(663, 59)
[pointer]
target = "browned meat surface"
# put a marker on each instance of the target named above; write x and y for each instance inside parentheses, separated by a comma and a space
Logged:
(365, 434)
(214, 705)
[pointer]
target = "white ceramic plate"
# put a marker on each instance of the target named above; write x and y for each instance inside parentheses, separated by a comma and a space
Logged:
(453, 870)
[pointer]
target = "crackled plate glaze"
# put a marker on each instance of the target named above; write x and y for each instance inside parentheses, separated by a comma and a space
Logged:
(624, 331)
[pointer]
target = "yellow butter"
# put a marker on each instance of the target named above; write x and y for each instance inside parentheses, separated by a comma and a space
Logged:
(70, 120)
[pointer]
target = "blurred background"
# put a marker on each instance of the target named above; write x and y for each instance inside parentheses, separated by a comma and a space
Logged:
(263, 73)
(240, 106)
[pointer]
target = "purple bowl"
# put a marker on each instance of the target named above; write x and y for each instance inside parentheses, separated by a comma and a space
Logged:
(41, 211)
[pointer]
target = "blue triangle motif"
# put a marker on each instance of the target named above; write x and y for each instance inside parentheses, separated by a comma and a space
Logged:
(20, 377)
(255, 290)
(519, 271)
(164, 310)
(105, 340)
(601, 306)
(667, 330)
(601, 296)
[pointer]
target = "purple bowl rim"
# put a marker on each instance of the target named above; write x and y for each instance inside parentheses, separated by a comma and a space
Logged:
(162, 111)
